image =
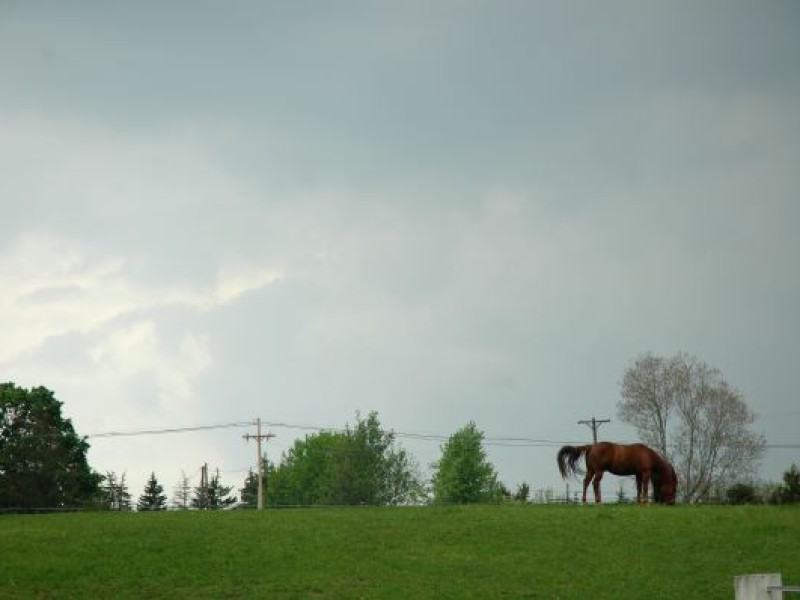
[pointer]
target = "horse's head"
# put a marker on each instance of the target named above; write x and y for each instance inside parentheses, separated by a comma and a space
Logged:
(665, 485)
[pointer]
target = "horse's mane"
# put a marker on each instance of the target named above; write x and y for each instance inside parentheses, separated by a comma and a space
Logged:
(665, 470)
(664, 474)
(673, 474)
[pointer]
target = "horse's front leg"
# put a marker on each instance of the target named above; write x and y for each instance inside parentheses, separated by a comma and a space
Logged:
(643, 496)
(596, 484)
(638, 488)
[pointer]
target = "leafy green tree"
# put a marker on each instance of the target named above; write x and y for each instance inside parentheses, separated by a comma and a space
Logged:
(214, 496)
(464, 474)
(374, 470)
(362, 465)
(153, 497)
(789, 491)
(307, 474)
(42, 460)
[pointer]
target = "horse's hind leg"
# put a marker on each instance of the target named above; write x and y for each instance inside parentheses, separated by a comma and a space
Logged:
(596, 484)
(586, 480)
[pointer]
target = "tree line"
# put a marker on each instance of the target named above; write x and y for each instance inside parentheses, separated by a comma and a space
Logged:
(679, 405)
(43, 465)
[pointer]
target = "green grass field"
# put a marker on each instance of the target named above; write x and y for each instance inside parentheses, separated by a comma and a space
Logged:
(456, 552)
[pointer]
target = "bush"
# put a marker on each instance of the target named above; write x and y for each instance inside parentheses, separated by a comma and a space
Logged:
(742, 493)
(789, 491)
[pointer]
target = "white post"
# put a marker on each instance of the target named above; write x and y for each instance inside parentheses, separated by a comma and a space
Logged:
(756, 586)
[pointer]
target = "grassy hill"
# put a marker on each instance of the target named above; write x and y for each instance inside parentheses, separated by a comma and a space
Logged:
(456, 552)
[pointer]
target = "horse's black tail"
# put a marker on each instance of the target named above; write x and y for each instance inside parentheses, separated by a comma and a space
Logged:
(568, 458)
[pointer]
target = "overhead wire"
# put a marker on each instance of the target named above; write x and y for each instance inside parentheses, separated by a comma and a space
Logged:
(168, 430)
(501, 441)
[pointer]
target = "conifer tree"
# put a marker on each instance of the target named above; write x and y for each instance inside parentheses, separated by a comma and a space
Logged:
(153, 497)
(249, 492)
(214, 497)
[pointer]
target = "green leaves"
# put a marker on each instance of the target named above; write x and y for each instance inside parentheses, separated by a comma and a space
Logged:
(464, 475)
(361, 465)
(42, 460)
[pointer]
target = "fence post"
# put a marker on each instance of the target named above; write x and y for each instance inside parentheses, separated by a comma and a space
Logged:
(754, 587)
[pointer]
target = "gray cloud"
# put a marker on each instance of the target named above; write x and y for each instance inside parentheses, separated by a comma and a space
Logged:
(442, 212)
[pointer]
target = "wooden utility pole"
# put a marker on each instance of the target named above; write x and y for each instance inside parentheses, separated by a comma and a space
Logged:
(260, 461)
(594, 424)
(204, 499)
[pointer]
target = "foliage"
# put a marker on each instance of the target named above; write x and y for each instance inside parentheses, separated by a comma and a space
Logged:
(248, 493)
(464, 475)
(523, 492)
(789, 491)
(116, 495)
(213, 496)
(153, 497)
(497, 551)
(742, 493)
(42, 460)
(686, 410)
(361, 465)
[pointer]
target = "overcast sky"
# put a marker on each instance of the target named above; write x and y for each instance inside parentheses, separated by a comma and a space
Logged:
(443, 211)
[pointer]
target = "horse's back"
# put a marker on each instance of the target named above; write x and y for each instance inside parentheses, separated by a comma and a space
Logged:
(623, 459)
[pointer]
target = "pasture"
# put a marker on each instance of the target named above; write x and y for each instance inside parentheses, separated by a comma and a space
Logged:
(505, 551)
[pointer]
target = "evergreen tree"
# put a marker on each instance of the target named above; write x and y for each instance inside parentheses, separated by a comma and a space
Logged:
(621, 497)
(249, 492)
(42, 460)
(214, 497)
(464, 475)
(153, 497)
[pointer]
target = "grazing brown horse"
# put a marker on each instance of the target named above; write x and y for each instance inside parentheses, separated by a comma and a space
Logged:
(621, 459)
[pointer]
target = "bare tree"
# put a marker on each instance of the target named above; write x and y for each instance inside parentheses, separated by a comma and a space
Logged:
(648, 398)
(688, 412)
(182, 495)
(116, 492)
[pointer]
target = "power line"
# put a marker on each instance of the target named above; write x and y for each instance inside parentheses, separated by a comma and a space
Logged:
(506, 441)
(139, 432)
(435, 437)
